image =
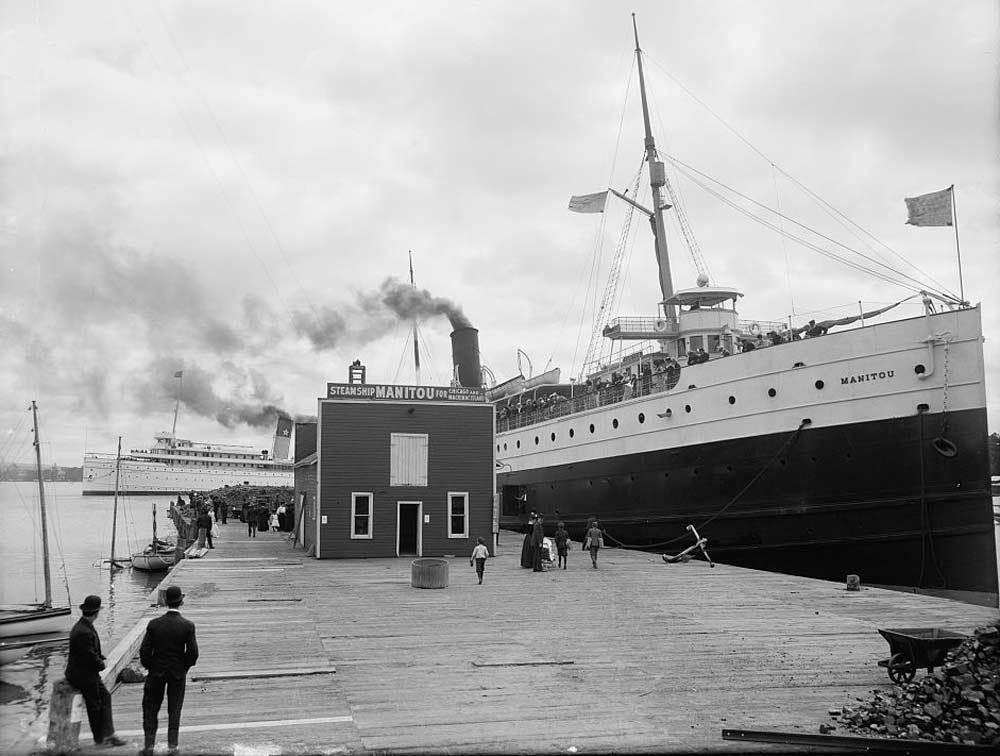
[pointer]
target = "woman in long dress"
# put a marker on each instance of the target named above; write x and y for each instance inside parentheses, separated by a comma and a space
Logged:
(527, 550)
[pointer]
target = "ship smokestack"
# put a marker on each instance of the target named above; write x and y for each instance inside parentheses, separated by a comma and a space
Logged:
(465, 357)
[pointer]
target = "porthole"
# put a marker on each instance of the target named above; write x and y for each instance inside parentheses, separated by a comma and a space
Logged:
(919, 370)
(536, 440)
(642, 418)
(505, 446)
(614, 423)
(732, 400)
(553, 436)
(820, 384)
(518, 444)
(498, 447)
(772, 393)
(572, 433)
(591, 427)
(687, 407)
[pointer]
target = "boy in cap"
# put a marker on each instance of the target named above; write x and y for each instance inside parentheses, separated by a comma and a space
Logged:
(479, 556)
(168, 650)
(83, 672)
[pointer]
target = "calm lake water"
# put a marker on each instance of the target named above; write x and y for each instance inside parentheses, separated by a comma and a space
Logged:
(79, 540)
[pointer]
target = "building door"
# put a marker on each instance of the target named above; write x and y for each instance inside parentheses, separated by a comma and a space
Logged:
(408, 528)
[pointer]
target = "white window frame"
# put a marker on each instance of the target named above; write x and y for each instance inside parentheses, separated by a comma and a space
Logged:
(371, 514)
(465, 514)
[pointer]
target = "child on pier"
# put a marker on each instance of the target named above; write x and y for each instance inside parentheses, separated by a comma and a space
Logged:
(479, 555)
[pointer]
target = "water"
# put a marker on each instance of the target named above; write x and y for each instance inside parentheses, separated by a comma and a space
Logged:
(79, 540)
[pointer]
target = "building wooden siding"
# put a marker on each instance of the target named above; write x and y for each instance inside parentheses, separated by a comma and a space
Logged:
(354, 457)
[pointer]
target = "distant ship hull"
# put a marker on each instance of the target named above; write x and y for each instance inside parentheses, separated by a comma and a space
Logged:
(154, 478)
(865, 487)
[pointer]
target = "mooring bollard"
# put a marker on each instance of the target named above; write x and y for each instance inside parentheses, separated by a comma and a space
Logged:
(429, 573)
(65, 715)
(853, 583)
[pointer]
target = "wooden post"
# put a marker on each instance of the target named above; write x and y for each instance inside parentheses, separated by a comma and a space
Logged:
(65, 715)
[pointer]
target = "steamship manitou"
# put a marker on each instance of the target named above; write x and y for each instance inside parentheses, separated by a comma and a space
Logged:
(174, 465)
(861, 451)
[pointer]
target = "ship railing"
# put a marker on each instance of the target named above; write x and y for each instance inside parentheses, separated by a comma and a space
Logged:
(586, 398)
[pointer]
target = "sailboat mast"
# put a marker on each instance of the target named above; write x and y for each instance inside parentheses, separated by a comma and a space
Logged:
(114, 518)
(416, 348)
(657, 180)
(41, 504)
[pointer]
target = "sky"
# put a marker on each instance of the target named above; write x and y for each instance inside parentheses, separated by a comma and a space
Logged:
(232, 189)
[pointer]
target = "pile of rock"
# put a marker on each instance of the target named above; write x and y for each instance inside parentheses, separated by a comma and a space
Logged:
(957, 703)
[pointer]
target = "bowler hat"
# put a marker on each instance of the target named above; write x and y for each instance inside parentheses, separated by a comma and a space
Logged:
(173, 596)
(91, 605)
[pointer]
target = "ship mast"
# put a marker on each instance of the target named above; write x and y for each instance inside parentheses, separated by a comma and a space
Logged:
(657, 179)
(416, 348)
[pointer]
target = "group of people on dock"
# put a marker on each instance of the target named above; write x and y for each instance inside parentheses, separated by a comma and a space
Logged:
(536, 555)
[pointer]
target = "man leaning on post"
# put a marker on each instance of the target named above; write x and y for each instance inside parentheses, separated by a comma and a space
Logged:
(83, 672)
(168, 650)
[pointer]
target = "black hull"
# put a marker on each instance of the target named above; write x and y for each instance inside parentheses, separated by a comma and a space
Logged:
(876, 499)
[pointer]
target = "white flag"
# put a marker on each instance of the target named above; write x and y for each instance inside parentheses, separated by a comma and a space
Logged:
(588, 203)
(932, 209)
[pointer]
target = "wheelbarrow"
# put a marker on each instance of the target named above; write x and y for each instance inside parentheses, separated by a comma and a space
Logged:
(914, 648)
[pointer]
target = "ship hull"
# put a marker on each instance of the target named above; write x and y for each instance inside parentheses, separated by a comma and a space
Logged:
(834, 467)
(151, 478)
(818, 502)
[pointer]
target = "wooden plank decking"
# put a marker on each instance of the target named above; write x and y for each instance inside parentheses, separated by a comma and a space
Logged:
(307, 656)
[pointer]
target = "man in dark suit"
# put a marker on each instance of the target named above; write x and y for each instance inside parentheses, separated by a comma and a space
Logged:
(168, 650)
(83, 672)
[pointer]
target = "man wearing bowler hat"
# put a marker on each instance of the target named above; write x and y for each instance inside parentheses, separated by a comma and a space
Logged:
(83, 672)
(168, 650)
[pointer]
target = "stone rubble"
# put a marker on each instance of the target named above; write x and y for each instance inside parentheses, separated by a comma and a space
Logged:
(957, 703)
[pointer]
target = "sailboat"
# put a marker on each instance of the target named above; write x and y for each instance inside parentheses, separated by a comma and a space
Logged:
(115, 562)
(158, 555)
(23, 626)
(849, 451)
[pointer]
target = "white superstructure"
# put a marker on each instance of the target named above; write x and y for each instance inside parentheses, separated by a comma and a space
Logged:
(173, 465)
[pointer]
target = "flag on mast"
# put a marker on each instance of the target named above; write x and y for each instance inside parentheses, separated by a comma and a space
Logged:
(588, 203)
(934, 209)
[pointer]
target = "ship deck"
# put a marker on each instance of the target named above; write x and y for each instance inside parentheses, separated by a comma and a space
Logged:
(344, 656)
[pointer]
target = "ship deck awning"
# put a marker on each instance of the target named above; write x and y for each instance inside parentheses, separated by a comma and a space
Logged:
(703, 296)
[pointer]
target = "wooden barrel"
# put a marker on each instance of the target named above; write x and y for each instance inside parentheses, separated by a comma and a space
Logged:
(429, 573)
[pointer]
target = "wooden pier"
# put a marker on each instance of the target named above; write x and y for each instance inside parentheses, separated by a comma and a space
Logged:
(307, 656)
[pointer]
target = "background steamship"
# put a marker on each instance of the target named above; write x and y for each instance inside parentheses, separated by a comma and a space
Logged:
(859, 451)
(174, 465)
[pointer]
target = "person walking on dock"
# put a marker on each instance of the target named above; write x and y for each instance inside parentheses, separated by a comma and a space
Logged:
(205, 528)
(537, 543)
(250, 518)
(526, 558)
(479, 555)
(594, 541)
(169, 649)
(83, 672)
(562, 544)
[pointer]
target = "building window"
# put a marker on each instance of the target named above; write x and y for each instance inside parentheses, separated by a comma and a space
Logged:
(697, 342)
(361, 515)
(408, 459)
(458, 515)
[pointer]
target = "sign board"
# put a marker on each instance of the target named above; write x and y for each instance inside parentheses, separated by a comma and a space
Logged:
(384, 393)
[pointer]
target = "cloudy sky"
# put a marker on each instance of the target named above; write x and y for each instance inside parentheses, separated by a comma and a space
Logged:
(231, 188)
